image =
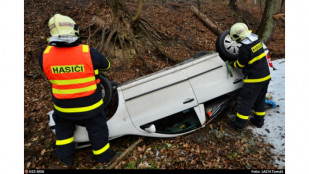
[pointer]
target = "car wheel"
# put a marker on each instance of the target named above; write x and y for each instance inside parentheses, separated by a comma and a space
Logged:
(115, 92)
(113, 104)
(107, 91)
(227, 48)
(114, 85)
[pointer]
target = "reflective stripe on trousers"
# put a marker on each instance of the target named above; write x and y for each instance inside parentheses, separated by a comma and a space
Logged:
(102, 150)
(65, 141)
(252, 96)
(79, 109)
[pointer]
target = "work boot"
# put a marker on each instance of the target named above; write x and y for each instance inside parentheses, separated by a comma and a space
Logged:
(106, 157)
(238, 124)
(258, 121)
(66, 165)
(60, 166)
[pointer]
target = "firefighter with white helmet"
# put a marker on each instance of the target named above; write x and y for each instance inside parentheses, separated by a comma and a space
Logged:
(62, 29)
(239, 31)
(72, 69)
(253, 62)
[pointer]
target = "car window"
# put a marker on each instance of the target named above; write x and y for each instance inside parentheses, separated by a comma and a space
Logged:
(180, 122)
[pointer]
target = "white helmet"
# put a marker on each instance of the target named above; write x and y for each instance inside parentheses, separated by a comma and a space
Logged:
(60, 25)
(239, 31)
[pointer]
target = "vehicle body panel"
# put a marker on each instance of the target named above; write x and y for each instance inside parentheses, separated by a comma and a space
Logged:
(209, 78)
(174, 90)
(168, 94)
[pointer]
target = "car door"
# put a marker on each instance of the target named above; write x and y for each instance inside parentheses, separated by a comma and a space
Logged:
(210, 79)
(158, 96)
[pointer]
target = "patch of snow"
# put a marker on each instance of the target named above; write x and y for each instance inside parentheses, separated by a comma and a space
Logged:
(273, 131)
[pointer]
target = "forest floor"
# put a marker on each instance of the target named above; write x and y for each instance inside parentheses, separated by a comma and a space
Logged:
(203, 149)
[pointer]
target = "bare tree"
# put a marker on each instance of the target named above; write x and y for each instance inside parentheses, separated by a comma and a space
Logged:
(268, 23)
(123, 32)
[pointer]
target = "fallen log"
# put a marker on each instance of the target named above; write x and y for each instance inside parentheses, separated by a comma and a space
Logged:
(129, 149)
(206, 21)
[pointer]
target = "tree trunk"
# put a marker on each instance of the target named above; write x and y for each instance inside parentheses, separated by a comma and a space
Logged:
(268, 22)
(232, 4)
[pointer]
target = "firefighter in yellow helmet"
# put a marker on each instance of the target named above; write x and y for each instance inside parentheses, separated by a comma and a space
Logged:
(253, 62)
(72, 69)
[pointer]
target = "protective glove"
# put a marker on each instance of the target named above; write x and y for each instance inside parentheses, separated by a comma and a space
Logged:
(228, 62)
(228, 67)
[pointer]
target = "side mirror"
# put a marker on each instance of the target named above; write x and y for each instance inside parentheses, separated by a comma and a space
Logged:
(151, 128)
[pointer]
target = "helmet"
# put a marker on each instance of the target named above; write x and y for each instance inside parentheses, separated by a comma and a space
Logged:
(60, 25)
(239, 31)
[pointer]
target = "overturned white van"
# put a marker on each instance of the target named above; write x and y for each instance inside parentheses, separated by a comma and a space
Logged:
(172, 101)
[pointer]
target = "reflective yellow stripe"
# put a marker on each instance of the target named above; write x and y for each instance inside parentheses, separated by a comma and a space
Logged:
(257, 58)
(96, 72)
(109, 64)
(74, 91)
(257, 80)
(73, 81)
(235, 64)
(85, 48)
(256, 47)
(242, 116)
(98, 152)
(81, 109)
(47, 49)
(67, 69)
(240, 65)
(260, 113)
(65, 141)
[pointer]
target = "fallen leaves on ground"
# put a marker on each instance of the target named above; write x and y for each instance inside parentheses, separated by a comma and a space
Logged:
(214, 147)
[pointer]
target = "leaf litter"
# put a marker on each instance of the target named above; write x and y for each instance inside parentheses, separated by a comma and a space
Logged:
(214, 147)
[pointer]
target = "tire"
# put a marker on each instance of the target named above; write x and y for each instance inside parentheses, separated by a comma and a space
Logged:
(107, 91)
(114, 85)
(113, 104)
(226, 47)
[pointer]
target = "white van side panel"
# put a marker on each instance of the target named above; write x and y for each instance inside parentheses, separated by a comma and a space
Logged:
(120, 124)
(210, 79)
(168, 97)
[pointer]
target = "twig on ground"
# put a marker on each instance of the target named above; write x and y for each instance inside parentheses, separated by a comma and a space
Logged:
(125, 153)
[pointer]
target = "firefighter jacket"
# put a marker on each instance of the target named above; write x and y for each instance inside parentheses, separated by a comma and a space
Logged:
(73, 73)
(253, 62)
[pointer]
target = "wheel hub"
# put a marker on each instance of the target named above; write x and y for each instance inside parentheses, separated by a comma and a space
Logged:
(234, 44)
(231, 46)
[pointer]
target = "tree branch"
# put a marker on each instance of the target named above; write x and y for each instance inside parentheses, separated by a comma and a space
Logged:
(139, 11)
(109, 39)
(156, 45)
(209, 24)
(125, 153)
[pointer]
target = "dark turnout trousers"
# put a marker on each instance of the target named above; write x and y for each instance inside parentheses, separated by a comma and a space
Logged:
(97, 132)
(252, 95)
